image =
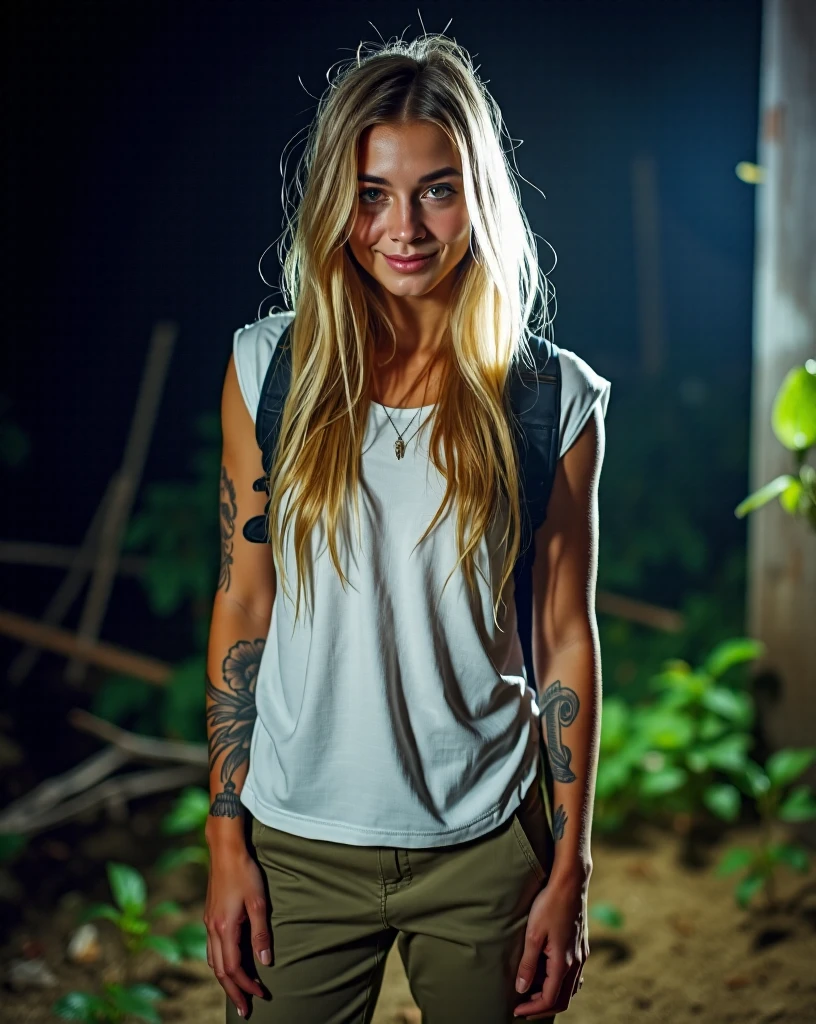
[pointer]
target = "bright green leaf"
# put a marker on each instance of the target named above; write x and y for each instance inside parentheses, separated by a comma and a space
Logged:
(606, 913)
(799, 805)
(794, 856)
(765, 494)
(734, 860)
(128, 887)
(783, 766)
(747, 888)
(732, 652)
(723, 800)
(165, 946)
(793, 416)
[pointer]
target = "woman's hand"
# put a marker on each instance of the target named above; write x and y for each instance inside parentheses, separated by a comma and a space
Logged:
(235, 893)
(556, 927)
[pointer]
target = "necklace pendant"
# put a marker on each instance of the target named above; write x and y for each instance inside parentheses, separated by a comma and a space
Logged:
(399, 447)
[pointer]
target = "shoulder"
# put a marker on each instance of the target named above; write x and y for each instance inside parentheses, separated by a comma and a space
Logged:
(252, 347)
(582, 388)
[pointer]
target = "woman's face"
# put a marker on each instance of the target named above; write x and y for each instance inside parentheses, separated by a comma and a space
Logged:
(410, 203)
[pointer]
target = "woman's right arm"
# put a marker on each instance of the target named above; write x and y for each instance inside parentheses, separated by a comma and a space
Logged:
(241, 615)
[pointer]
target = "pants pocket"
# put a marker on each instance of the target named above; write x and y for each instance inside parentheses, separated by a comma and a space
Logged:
(531, 832)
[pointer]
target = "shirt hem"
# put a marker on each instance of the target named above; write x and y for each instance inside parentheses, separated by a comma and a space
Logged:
(361, 835)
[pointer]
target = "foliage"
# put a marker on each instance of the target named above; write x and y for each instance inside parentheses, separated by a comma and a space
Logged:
(135, 925)
(135, 922)
(678, 751)
(776, 802)
(793, 420)
(175, 710)
(188, 815)
(117, 1003)
(177, 527)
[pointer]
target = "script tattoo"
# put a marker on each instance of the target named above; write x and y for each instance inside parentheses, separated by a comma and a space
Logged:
(229, 510)
(559, 821)
(231, 716)
(559, 708)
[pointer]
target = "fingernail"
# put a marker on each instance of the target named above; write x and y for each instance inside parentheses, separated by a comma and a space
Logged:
(240, 1011)
(521, 984)
(266, 956)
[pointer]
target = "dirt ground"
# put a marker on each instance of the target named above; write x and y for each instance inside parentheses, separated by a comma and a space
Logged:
(685, 952)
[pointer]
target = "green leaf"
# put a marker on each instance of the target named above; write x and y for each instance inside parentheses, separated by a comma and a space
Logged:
(665, 780)
(790, 498)
(149, 992)
(668, 730)
(84, 1006)
(734, 860)
(732, 652)
(99, 910)
(128, 887)
(732, 705)
(614, 773)
(606, 913)
(753, 779)
(784, 766)
(799, 805)
(794, 856)
(766, 493)
(190, 810)
(164, 946)
(613, 724)
(793, 416)
(135, 1004)
(172, 859)
(747, 888)
(192, 940)
(729, 753)
(723, 800)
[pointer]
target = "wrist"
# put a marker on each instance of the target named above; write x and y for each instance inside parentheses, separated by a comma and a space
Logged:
(571, 871)
(223, 832)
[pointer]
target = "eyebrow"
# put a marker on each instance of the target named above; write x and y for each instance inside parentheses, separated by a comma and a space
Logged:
(443, 172)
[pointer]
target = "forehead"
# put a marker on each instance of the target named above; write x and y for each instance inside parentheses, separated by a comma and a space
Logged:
(405, 150)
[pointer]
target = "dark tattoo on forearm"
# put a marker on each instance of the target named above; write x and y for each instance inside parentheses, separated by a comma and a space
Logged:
(559, 707)
(229, 510)
(231, 717)
(559, 821)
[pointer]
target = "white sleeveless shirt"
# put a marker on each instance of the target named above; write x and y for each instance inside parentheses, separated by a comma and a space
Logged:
(391, 714)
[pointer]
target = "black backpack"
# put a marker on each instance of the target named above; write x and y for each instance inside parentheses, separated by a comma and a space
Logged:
(537, 410)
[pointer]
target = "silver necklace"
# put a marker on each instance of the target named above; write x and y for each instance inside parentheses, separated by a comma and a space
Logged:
(400, 444)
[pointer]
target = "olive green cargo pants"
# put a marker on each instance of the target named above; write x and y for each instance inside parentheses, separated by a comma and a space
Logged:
(458, 914)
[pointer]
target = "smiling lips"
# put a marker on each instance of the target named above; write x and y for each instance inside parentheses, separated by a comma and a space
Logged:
(408, 264)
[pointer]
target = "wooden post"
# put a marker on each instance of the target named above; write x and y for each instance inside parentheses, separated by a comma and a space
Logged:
(782, 551)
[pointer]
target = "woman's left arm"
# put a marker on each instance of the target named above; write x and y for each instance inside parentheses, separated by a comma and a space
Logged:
(567, 663)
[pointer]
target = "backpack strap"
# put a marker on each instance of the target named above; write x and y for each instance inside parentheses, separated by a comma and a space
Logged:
(535, 398)
(274, 390)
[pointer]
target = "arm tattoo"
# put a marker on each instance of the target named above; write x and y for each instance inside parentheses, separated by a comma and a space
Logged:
(559, 821)
(559, 707)
(229, 510)
(231, 717)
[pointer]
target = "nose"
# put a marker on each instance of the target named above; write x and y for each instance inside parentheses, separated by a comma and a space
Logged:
(405, 224)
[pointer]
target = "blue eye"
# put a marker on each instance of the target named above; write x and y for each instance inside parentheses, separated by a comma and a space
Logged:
(366, 192)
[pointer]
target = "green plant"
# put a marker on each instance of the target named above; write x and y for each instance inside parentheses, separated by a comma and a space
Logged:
(135, 921)
(676, 753)
(117, 1003)
(189, 814)
(606, 913)
(177, 527)
(776, 803)
(793, 420)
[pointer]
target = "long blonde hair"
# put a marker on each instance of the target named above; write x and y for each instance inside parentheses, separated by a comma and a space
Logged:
(338, 313)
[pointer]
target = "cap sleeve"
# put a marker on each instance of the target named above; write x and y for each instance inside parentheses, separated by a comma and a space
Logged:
(252, 347)
(581, 389)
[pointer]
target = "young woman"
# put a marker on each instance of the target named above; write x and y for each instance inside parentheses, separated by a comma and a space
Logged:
(374, 742)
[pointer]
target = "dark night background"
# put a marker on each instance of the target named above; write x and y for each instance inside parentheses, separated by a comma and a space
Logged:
(143, 182)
